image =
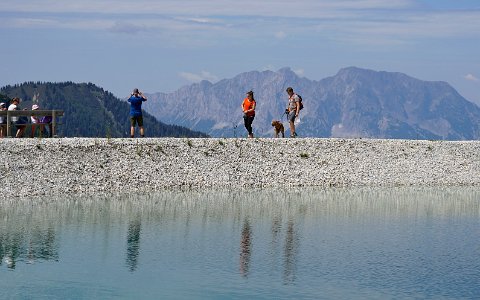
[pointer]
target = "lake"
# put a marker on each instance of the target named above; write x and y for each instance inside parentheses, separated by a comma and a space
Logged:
(352, 243)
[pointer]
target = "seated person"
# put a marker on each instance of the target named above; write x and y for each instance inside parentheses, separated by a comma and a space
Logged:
(19, 122)
(38, 121)
(3, 121)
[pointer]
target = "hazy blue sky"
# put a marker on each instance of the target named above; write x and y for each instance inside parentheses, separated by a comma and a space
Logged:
(159, 46)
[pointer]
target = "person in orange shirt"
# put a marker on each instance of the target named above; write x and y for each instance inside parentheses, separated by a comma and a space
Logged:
(248, 108)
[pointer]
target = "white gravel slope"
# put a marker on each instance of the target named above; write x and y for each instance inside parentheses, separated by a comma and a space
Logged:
(31, 167)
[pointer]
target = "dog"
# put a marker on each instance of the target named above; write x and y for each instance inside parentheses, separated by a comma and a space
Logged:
(278, 128)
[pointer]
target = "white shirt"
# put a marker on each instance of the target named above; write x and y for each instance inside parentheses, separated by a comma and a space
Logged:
(13, 107)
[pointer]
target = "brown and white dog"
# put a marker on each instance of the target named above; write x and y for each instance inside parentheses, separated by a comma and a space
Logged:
(278, 128)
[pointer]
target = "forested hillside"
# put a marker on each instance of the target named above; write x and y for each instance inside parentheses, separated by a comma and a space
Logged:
(89, 110)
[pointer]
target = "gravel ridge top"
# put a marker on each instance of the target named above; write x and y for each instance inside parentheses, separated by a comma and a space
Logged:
(33, 167)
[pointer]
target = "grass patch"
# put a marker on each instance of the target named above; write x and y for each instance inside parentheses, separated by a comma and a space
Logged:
(304, 155)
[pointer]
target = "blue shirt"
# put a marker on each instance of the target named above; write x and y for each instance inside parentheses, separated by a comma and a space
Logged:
(136, 106)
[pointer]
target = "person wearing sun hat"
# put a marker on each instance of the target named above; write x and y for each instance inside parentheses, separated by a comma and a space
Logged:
(35, 121)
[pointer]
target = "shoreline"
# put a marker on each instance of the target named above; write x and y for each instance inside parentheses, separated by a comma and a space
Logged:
(36, 167)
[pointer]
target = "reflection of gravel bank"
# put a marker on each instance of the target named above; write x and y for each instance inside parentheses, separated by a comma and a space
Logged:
(56, 166)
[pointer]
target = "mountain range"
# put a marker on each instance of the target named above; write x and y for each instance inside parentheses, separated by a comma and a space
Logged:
(89, 110)
(353, 103)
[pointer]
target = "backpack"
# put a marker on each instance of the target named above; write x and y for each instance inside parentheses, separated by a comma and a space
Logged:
(300, 102)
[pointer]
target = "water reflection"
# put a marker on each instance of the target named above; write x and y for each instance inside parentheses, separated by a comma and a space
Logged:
(245, 248)
(23, 240)
(133, 243)
(373, 238)
(291, 248)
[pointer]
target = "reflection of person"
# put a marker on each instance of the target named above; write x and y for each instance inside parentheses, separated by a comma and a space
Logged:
(291, 247)
(133, 244)
(19, 122)
(248, 108)
(136, 116)
(245, 248)
(3, 121)
(292, 110)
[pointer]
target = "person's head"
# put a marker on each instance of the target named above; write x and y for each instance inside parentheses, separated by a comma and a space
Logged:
(289, 91)
(35, 107)
(2, 105)
(16, 100)
(250, 94)
(136, 91)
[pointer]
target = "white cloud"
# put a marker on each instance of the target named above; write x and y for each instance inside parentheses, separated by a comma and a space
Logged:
(471, 77)
(269, 68)
(126, 27)
(280, 35)
(367, 22)
(284, 8)
(204, 75)
(299, 72)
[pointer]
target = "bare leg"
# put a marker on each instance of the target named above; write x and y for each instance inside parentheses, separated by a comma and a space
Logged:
(142, 131)
(20, 132)
(132, 131)
(34, 128)
(50, 129)
(292, 128)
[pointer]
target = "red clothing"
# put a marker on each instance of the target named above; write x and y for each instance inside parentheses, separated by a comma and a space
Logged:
(247, 104)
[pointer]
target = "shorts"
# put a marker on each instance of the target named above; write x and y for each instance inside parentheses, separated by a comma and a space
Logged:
(135, 120)
(21, 121)
(291, 116)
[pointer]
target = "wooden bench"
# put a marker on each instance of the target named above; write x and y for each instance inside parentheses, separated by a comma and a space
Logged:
(28, 113)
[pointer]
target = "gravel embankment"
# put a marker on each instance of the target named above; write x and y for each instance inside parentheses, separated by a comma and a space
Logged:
(32, 167)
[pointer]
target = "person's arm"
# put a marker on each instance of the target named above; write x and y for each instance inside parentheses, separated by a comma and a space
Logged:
(297, 107)
(243, 107)
(251, 109)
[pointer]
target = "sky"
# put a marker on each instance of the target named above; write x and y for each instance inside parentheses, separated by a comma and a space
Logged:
(162, 45)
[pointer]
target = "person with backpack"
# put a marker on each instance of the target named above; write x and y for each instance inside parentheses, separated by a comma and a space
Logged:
(136, 116)
(293, 108)
(248, 108)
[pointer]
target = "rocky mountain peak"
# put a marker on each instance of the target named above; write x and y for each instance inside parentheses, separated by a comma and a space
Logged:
(355, 102)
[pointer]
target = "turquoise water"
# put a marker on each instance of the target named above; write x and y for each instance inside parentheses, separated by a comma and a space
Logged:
(323, 244)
